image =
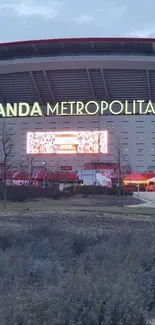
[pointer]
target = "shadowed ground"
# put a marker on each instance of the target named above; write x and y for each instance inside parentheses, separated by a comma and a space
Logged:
(77, 261)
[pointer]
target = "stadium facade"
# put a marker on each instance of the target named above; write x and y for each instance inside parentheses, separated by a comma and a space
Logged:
(81, 70)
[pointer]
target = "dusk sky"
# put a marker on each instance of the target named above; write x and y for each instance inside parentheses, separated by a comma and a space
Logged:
(43, 19)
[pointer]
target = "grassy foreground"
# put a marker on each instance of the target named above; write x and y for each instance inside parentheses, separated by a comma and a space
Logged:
(78, 262)
(77, 204)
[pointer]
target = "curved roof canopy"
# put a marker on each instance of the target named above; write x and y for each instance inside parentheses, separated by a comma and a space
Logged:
(76, 46)
(77, 70)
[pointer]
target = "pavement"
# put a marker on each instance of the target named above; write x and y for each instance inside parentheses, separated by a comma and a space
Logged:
(148, 199)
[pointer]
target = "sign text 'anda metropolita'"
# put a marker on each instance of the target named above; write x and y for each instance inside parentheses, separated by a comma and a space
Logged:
(77, 108)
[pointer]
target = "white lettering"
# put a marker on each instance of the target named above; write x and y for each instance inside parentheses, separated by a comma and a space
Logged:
(11, 110)
(93, 103)
(52, 110)
(36, 110)
(103, 108)
(27, 111)
(2, 111)
(63, 108)
(79, 108)
(71, 107)
(116, 102)
(149, 108)
(140, 102)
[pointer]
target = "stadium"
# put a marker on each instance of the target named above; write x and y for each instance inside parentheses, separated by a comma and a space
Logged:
(80, 70)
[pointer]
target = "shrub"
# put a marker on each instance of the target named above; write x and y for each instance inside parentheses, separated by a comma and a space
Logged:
(23, 193)
(99, 190)
(65, 277)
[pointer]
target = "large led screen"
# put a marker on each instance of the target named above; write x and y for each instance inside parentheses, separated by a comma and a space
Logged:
(86, 142)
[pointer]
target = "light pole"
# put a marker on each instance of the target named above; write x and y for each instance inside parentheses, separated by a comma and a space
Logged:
(44, 166)
(138, 184)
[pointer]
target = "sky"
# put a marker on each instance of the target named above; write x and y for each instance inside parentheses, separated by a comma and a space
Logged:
(45, 19)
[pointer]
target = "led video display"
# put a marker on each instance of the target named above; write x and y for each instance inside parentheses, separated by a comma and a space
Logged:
(86, 142)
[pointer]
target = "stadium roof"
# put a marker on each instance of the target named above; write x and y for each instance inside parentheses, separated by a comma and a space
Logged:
(52, 47)
(77, 69)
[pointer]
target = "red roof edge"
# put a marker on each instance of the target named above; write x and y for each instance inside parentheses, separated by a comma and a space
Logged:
(87, 39)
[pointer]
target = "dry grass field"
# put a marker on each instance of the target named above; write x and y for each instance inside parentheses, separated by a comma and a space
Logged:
(77, 261)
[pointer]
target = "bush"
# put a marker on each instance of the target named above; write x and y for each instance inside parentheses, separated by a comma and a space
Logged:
(23, 193)
(99, 190)
(65, 277)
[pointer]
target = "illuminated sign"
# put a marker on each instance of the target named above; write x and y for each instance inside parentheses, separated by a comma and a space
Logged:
(77, 108)
(65, 167)
(85, 142)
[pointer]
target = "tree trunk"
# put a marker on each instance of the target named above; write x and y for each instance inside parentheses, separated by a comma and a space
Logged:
(4, 194)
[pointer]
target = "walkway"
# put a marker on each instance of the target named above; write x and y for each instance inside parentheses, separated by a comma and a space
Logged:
(148, 199)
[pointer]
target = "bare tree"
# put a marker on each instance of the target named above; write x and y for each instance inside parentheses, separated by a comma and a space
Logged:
(7, 156)
(57, 169)
(123, 166)
(95, 163)
(26, 166)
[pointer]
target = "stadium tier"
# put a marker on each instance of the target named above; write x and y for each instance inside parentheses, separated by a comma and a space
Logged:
(90, 73)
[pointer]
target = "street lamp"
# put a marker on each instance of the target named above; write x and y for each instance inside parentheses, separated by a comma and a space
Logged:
(44, 182)
(138, 184)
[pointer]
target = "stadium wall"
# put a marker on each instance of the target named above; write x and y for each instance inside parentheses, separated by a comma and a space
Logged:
(136, 132)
